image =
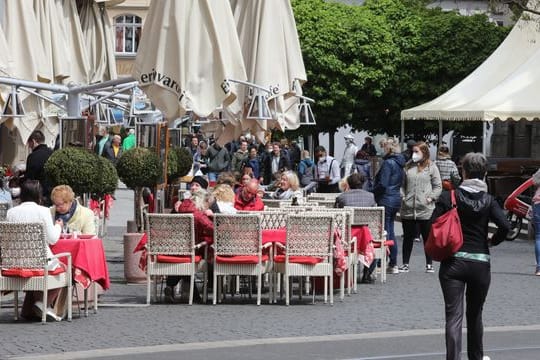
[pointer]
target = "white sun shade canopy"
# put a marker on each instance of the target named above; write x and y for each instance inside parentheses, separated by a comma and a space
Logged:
(505, 86)
(187, 51)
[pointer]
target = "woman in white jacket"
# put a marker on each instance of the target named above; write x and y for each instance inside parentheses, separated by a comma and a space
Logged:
(421, 188)
(30, 211)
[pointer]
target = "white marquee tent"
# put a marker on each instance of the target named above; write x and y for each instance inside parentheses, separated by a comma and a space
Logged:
(504, 87)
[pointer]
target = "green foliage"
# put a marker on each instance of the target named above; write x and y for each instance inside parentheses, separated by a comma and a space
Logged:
(84, 171)
(107, 178)
(139, 167)
(367, 63)
(179, 162)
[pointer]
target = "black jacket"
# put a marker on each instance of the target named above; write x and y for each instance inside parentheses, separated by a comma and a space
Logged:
(35, 166)
(475, 211)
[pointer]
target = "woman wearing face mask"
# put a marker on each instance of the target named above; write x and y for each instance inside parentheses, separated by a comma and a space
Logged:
(421, 188)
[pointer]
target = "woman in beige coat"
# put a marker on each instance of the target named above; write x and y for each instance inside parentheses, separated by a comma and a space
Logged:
(75, 216)
(421, 188)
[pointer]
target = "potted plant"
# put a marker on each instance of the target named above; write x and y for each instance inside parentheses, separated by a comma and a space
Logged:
(84, 171)
(179, 164)
(138, 168)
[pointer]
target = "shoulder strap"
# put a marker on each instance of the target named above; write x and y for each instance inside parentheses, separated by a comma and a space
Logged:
(453, 198)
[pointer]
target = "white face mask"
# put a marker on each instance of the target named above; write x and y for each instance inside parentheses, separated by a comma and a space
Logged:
(416, 157)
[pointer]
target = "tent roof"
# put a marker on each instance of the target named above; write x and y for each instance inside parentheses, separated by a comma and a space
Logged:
(505, 86)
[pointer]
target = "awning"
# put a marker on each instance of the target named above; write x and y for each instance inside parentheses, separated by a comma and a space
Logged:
(505, 86)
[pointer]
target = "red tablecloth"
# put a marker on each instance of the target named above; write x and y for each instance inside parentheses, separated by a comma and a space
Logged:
(363, 237)
(87, 255)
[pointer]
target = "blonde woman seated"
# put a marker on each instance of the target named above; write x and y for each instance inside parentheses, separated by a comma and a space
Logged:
(289, 187)
(224, 196)
(73, 215)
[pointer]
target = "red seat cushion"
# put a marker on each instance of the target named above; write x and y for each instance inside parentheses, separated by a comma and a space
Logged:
(308, 260)
(175, 259)
(240, 259)
(27, 273)
(386, 243)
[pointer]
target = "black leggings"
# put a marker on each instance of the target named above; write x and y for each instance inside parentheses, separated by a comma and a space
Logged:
(410, 232)
(458, 276)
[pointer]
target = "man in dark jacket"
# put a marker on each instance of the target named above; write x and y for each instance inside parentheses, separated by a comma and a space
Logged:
(278, 161)
(219, 160)
(35, 163)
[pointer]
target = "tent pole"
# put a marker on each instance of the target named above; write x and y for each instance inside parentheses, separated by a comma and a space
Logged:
(484, 138)
(439, 140)
(402, 140)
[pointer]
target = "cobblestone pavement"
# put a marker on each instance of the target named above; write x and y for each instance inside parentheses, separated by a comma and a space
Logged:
(407, 301)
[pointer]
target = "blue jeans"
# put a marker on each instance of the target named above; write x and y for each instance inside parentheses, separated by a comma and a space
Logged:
(536, 223)
(389, 219)
(212, 176)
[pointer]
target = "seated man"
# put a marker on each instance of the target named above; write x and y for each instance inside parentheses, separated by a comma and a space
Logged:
(248, 198)
(74, 216)
(355, 196)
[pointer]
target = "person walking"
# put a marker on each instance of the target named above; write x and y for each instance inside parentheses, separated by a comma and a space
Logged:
(113, 151)
(219, 160)
(349, 155)
(386, 189)
(421, 188)
(35, 163)
(536, 219)
(468, 270)
(129, 142)
(447, 168)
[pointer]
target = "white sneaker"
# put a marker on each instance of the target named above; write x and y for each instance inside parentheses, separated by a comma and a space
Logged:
(429, 268)
(485, 357)
(50, 312)
(392, 270)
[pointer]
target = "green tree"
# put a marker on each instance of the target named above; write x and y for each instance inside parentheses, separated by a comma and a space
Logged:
(367, 63)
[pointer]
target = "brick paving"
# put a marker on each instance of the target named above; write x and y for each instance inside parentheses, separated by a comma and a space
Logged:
(405, 302)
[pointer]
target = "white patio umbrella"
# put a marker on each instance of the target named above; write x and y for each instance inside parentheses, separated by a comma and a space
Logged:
(98, 40)
(273, 59)
(76, 47)
(187, 51)
(20, 28)
(53, 38)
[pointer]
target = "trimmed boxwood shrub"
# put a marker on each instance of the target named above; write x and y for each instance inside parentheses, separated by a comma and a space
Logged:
(179, 163)
(139, 167)
(84, 171)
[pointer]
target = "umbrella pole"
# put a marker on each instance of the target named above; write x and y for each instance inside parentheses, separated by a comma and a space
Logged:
(440, 134)
(402, 140)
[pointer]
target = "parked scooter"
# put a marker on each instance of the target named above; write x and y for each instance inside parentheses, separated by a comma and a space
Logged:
(518, 207)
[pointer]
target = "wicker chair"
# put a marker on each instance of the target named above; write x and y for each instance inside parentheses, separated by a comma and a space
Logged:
(274, 203)
(3, 211)
(308, 251)
(343, 220)
(373, 217)
(171, 250)
(24, 261)
(238, 249)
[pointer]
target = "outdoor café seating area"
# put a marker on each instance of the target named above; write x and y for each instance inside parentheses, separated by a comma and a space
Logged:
(286, 254)
(282, 253)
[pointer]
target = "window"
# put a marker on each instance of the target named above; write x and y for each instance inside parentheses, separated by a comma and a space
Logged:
(127, 29)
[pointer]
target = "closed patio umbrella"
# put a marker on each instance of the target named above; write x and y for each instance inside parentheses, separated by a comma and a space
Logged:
(98, 39)
(187, 51)
(273, 58)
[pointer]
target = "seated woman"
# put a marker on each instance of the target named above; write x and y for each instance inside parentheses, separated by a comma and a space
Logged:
(289, 187)
(30, 210)
(198, 205)
(75, 216)
(224, 196)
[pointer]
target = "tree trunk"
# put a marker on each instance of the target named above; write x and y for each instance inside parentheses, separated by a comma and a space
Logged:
(331, 143)
(138, 202)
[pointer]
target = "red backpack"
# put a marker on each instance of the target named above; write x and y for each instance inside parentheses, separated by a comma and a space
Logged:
(445, 237)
